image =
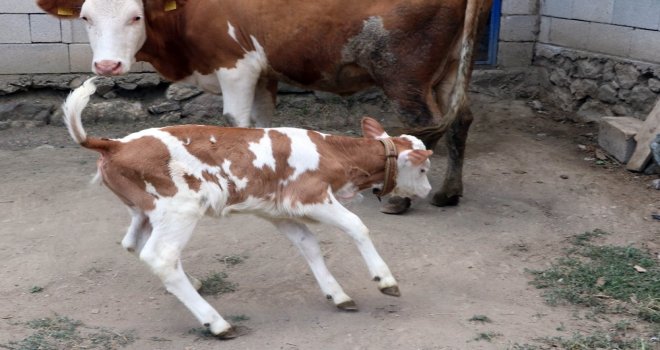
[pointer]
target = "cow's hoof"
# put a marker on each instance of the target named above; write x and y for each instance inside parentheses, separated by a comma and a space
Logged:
(441, 199)
(396, 205)
(393, 291)
(348, 305)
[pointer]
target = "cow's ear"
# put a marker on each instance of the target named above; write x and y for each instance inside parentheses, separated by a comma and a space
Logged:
(68, 9)
(372, 129)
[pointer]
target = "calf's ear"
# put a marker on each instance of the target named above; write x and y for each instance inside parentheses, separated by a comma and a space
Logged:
(67, 9)
(418, 156)
(372, 129)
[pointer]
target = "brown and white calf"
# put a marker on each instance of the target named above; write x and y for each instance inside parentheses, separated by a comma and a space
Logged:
(418, 51)
(170, 177)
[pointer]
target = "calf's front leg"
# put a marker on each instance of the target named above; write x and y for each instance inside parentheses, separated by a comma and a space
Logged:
(308, 245)
(337, 215)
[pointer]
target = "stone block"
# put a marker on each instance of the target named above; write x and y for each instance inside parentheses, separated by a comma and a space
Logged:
(638, 13)
(518, 28)
(34, 58)
(609, 39)
(616, 136)
(45, 29)
(73, 31)
(544, 29)
(645, 45)
(14, 29)
(19, 6)
(569, 33)
(514, 54)
(593, 10)
(520, 7)
(80, 58)
(557, 8)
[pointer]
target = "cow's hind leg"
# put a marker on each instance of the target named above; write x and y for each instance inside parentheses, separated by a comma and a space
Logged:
(308, 245)
(162, 253)
(452, 187)
(337, 215)
(263, 107)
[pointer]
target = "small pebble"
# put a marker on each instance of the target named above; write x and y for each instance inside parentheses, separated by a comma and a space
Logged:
(656, 184)
(564, 176)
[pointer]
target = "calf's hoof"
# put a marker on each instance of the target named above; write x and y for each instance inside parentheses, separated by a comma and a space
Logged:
(348, 305)
(393, 291)
(396, 205)
(441, 199)
(233, 332)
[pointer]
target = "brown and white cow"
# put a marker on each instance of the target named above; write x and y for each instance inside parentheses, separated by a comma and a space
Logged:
(418, 51)
(170, 177)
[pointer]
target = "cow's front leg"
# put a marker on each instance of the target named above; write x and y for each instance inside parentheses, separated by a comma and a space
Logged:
(171, 232)
(337, 215)
(308, 245)
(238, 85)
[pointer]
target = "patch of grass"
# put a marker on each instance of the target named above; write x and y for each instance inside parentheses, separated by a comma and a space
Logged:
(36, 289)
(604, 278)
(232, 260)
(597, 340)
(202, 332)
(215, 284)
(582, 238)
(237, 318)
(62, 332)
(480, 318)
(486, 336)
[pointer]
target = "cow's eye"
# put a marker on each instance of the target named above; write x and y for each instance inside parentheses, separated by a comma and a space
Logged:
(84, 18)
(137, 18)
(422, 170)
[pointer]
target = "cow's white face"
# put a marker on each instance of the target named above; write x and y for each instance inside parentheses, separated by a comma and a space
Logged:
(116, 31)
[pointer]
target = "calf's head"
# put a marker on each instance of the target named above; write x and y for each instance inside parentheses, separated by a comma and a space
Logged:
(116, 29)
(412, 160)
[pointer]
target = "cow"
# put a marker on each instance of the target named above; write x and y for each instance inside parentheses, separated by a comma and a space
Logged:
(172, 176)
(418, 51)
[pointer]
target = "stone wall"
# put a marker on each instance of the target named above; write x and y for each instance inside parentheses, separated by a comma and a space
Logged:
(602, 57)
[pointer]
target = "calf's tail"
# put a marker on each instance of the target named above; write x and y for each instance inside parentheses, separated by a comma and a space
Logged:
(73, 107)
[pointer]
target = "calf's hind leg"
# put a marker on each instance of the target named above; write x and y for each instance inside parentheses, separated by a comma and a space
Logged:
(308, 245)
(162, 253)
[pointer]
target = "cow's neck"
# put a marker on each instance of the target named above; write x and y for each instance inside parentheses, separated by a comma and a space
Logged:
(165, 47)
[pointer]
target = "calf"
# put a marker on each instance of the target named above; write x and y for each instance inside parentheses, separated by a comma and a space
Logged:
(170, 177)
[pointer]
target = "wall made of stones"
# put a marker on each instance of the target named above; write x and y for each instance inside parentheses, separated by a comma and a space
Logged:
(597, 85)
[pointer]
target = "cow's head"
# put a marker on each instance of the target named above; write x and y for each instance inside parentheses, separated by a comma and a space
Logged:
(412, 161)
(116, 28)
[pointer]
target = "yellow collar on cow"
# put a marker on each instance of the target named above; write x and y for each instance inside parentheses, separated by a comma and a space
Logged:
(170, 5)
(390, 168)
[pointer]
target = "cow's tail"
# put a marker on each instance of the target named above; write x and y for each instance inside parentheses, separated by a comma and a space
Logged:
(73, 107)
(458, 100)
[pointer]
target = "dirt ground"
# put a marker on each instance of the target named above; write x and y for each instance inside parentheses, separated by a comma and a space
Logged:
(528, 187)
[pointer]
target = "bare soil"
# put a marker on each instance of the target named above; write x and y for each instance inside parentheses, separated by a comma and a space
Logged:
(528, 188)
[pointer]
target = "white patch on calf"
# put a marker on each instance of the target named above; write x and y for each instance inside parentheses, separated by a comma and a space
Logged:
(263, 152)
(304, 155)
